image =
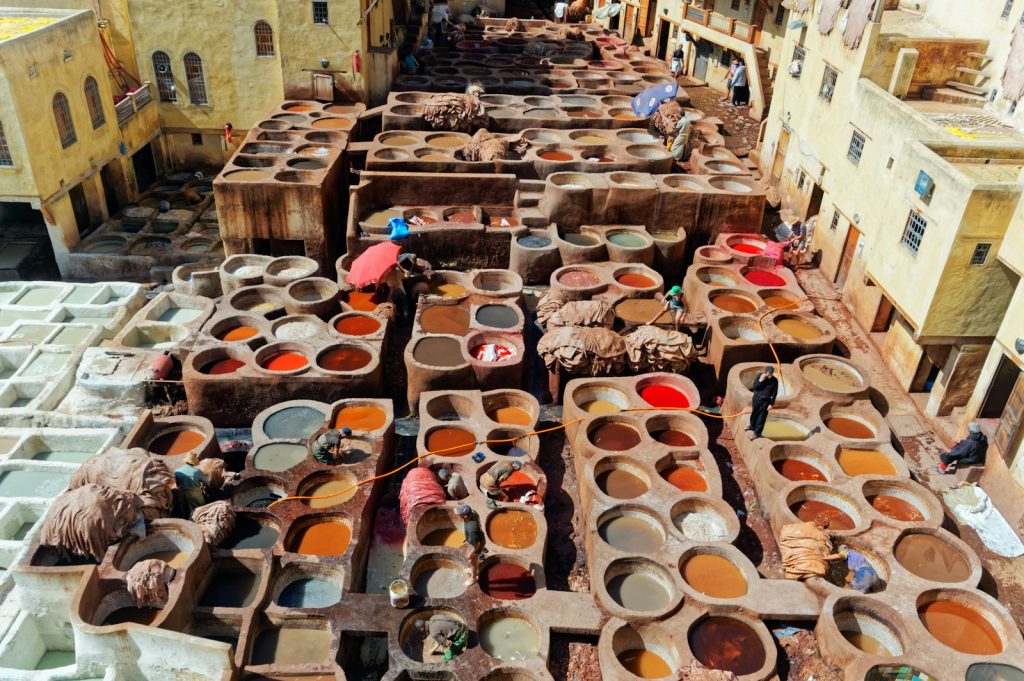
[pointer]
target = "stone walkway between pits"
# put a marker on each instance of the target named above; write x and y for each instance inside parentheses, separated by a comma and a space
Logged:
(741, 128)
(1003, 578)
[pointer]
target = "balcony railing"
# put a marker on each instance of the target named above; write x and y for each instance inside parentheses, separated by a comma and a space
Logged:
(132, 103)
(720, 23)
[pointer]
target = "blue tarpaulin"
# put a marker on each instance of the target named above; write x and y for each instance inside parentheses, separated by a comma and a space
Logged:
(647, 102)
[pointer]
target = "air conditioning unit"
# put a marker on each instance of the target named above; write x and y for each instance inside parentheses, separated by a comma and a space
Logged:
(925, 186)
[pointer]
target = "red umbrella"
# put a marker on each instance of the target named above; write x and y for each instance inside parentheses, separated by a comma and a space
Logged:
(373, 264)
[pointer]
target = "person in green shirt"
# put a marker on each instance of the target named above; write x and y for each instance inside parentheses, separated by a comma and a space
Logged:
(444, 634)
(331, 447)
(474, 540)
(192, 484)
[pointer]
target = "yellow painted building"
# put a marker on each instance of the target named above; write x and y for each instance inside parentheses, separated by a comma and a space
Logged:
(890, 136)
(68, 156)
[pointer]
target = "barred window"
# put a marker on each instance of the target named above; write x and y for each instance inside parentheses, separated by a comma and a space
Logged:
(980, 255)
(320, 12)
(65, 125)
(828, 84)
(735, 4)
(835, 221)
(164, 77)
(799, 55)
(5, 151)
(857, 141)
(195, 78)
(264, 36)
(913, 233)
(780, 11)
(92, 98)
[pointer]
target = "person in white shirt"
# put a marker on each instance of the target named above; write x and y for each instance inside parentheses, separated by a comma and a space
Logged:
(439, 16)
(561, 9)
(740, 86)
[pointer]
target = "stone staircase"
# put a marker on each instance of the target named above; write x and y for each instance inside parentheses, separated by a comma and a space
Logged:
(971, 85)
(764, 78)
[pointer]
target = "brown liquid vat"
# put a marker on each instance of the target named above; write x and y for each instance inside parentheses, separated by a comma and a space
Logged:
(634, 586)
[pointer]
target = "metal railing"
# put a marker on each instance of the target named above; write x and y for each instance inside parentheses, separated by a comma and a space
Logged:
(132, 103)
(720, 23)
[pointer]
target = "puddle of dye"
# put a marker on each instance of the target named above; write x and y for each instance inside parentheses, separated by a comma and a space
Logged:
(932, 558)
(762, 278)
(961, 628)
(454, 441)
(642, 311)
(631, 534)
(896, 508)
(172, 557)
(752, 249)
(63, 456)
(309, 592)
(578, 279)
(831, 376)
(727, 644)
(591, 139)
(621, 484)
(638, 591)
(733, 303)
(635, 280)
(866, 643)
(509, 638)
(179, 315)
(714, 576)
(664, 397)
(531, 241)
(798, 329)
(809, 509)
(794, 469)
(784, 430)
(449, 319)
(54, 659)
(378, 218)
(510, 416)
(555, 156)
(344, 359)
(386, 556)
(438, 352)
(278, 456)
(615, 437)
(323, 539)
(284, 361)
(508, 582)
(363, 418)
(223, 366)
(441, 582)
(462, 217)
(626, 240)
(363, 301)
(239, 333)
(448, 290)
(512, 529)
(599, 407)
(131, 614)
(578, 239)
(249, 534)
(645, 664)
(447, 142)
(450, 537)
(293, 423)
(291, 646)
(993, 672)
(230, 589)
(777, 301)
(177, 442)
(851, 428)
(865, 462)
(703, 526)
(331, 489)
(357, 326)
(685, 479)
(497, 316)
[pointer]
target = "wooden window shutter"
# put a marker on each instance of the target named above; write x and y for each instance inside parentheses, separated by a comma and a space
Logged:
(1009, 422)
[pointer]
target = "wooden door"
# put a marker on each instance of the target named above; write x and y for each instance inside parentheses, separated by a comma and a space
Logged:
(700, 65)
(780, 153)
(643, 18)
(628, 23)
(323, 87)
(846, 260)
(1009, 422)
(883, 317)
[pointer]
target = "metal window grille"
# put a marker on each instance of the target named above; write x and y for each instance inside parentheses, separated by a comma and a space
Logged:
(92, 98)
(5, 151)
(195, 78)
(913, 233)
(835, 221)
(164, 77)
(799, 54)
(1007, 8)
(320, 13)
(857, 141)
(980, 255)
(65, 125)
(735, 4)
(780, 12)
(828, 84)
(264, 36)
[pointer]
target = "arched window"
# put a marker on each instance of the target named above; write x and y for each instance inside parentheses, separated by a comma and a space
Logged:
(264, 36)
(65, 126)
(5, 151)
(194, 77)
(92, 98)
(164, 77)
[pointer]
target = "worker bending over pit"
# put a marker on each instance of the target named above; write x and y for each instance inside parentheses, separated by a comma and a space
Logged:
(443, 634)
(333, 446)
(453, 484)
(474, 534)
(490, 481)
(193, 485)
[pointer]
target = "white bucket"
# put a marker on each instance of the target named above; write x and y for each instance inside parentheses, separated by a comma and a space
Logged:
(399, 592)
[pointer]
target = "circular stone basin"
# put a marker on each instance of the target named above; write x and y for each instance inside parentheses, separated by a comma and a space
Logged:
(960, 627)
(450, 442)
(102, 246)
(732, 302)
(176, 442)
(614, 437)
(278, 456)
(328, 538)
(507, 582)
(798, 328)
(798, 470)
(983, 671)
(894, 501)
(512, 529)
(344, 358)
(727, 644)
(808, 504)
(856, 462)
(635, 280)
(309, 592)
(779, 300)
(618, 482)
(361, 418)
(250, 534)
(447, 319)
(497, 316)
(763, 278)
(641, 311)
(579, 239)
(714, 576)
(850, 427)
(932, 558)
(509, 638)
(293, 423)
(440, 578)
(832, 375)
(284, 361)
(557, 156)
(357, 325)
(717, 276)
(664, 396)
(578, 279)
(399, 140)
(627, 239)
(307, 164)
(867, 633)
(685, 479)
(247, 175)
(222, 367)
(332, 124)
(590, 139)
(630, 531)
(333, 492)
(438, 351)
(784, 430)
(644, 663)
(700, 524)
(746, 245)
(638, 585)
(601, 400)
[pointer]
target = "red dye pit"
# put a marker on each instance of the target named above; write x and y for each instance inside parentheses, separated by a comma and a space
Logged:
(224, 366)
(810, 509)
(284, 361)
(635, 280)
(555, 156)
(462, 217)
(517, 485)
(673, 438)
(752, 249)
(685, 479)
(664, 397)
(794, 469)
(763, 278)
(357, 326)
(508, 582)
